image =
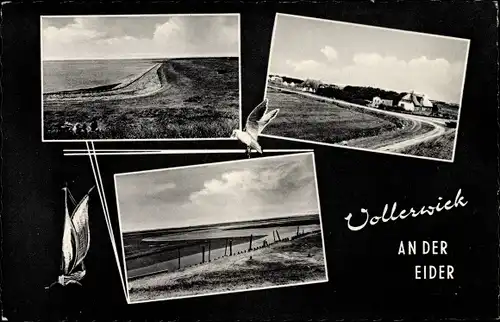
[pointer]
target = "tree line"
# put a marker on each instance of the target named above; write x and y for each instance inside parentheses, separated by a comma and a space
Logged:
(358, 94)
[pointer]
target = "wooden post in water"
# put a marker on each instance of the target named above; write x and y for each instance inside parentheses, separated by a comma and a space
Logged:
(225, 250)
(203, 254)
(231, 248)
(179, 256)
(298, 230)
(209, 249)
(250, 246)
(274, 236)
(278, 234)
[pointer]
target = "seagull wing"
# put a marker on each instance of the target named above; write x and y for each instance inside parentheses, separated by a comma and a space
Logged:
(252, 125)
(80, 220)
(266, 119)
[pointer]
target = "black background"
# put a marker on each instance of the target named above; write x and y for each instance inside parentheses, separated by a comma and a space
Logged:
(367, 279)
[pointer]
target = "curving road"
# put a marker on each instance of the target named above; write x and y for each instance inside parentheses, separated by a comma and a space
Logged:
(417, 130)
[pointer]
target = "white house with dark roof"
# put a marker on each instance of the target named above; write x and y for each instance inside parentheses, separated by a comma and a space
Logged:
(414, 102)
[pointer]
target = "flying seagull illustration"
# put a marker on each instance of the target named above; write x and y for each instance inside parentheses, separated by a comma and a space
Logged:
(258, 119)
(75, 241)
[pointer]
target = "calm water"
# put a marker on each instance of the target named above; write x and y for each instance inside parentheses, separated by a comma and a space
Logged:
(172, 265)
(79, 74)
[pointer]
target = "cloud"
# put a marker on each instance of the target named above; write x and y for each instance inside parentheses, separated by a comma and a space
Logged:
(436, 77)
(168, 185)
(371, 59)
(305, 67)
(78, 31)
(164, 31)
(175, 36)
(142, 189)
(308, 67)
(214, 193)
(262, 193)
(231, 187)
(227, 34)
(330, 53)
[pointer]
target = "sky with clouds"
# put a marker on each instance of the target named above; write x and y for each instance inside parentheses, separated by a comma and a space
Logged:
(350, 54)
(215, 193)
(108, 37)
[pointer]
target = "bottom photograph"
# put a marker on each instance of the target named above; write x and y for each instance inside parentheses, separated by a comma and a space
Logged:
(221, 227)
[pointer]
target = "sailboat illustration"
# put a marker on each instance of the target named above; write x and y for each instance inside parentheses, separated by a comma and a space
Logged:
(75, 240)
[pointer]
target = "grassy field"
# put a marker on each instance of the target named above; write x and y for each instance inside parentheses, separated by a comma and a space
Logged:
(199, 98)
(309, 119)
(440, 147)
(451, 110)
(288, 262)
(411, 130)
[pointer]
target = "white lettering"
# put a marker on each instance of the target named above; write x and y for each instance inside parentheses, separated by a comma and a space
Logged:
(403, 214)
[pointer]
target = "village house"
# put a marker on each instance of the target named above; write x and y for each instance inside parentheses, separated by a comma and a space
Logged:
(276, 79)
(377, 102)
(413, 102)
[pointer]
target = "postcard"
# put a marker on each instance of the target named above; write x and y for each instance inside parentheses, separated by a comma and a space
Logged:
(249, 161)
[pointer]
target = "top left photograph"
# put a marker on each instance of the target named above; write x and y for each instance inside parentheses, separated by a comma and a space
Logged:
(140, 77)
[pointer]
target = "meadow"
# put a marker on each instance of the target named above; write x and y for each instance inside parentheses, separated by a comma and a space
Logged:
(311, 119)
(440, 147)
(181, 99)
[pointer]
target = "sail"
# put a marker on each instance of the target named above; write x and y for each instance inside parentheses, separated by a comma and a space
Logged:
(80, 223)
(68, 249)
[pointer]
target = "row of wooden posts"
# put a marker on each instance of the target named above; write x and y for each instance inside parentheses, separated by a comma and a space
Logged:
(229, 244)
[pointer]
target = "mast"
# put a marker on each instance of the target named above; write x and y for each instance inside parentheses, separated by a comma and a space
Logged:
(68, 240)
(65, 205)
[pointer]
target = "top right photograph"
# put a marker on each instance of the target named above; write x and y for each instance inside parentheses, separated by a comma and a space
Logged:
(364, 87)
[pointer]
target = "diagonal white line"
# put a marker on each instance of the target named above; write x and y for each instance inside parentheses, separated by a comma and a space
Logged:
(120, 230)
(106, 216)
(115, 248)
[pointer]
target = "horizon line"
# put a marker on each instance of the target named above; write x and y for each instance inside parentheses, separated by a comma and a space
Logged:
(316, 213)
(143, 57)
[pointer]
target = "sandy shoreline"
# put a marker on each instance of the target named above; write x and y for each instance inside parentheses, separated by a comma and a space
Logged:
(286, 263)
